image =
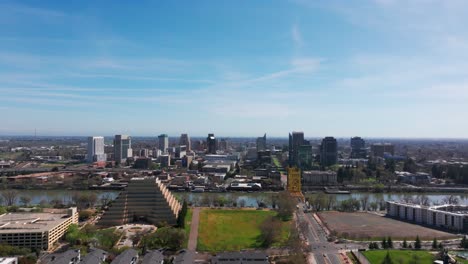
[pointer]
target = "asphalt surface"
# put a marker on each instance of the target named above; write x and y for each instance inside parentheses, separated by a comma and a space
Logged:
(323, 252)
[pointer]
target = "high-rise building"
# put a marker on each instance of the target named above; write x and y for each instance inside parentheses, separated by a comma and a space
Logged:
(381, 149)
(358, 148)
(211, 144)
(185, 141)
(305, 157)
(328, 152)
(261, 143)
(223, 144)
(96, 150)
(122, 148)
(296, 139)
(163, 141)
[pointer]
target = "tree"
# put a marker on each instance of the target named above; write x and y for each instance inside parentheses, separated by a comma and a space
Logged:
(25, 200)
(242, 203)
(389, 242)
(464, 243)
(182, 214)
(434, 243)
(405, 244)
(384, 243)
(286, 206)
(364, 201)
(165, 237)
(387, 259)
(417, 243)
(451, 199)
(10, 197)
(270, 230)
(106, 199)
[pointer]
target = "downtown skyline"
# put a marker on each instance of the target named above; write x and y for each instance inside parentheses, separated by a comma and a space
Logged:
(372, 68)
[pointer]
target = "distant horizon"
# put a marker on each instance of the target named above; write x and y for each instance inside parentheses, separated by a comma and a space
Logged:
(236, 137)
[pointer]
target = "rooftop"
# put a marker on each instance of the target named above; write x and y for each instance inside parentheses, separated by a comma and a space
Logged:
(31, 222)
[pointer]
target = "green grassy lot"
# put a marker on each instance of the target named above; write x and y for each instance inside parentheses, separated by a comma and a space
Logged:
(233, 230)
(188, 222)
(399, 256)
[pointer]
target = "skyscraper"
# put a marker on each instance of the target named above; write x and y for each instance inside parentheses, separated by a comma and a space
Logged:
(211, 144)
(96, 150)
(261, 143)
(163, 140)
(358, 148)
(296, 139)
(328, 152)
(185, 141)
(122, 148)
(305, 157)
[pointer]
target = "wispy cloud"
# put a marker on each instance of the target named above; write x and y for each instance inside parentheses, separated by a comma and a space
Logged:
(296, 36)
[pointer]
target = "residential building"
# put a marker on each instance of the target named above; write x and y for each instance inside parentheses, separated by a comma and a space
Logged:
(129, 256)
(382, 149)
(153, 257)
(95, 149)
(450, 217)
(8, 260)
(71, 256)
(144, 199)
(122, 148)
(95, 256)
(318, 178)
(296, 139)
(211, 144)
(163, 142)
(185, 141)
(36, 230)
(328, 152)
(261, 143)
(358, 148)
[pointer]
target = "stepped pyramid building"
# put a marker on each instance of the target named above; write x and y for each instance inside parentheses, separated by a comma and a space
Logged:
(145, 199)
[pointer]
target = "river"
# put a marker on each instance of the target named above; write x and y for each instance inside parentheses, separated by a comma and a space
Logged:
(250, 199)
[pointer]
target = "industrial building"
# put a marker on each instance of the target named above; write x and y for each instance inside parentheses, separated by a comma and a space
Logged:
(144, 199)
(36, 230)
(450, 217)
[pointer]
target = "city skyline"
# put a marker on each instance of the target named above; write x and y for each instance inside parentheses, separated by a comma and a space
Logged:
(375, 69)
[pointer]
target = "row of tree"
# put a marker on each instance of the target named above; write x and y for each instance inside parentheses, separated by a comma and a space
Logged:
(387, 243)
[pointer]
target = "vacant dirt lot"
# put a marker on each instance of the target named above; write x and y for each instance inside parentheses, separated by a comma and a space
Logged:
(364, 226)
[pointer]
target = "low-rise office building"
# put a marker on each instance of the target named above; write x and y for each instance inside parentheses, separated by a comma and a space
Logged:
(450, 217)
(36, 230)
(318, 178)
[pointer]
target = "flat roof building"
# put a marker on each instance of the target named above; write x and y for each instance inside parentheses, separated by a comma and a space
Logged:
(36, 230)
(450, 217)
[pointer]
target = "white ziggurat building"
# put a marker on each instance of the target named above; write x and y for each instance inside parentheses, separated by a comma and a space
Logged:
(145, 199)
(450, 217)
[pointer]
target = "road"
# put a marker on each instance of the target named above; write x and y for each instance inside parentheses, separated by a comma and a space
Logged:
(322, 251)
(193, 237)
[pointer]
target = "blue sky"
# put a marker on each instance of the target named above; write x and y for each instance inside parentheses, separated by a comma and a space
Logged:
(377, 68)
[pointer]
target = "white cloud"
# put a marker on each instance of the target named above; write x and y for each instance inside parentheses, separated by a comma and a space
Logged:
(297, 36)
